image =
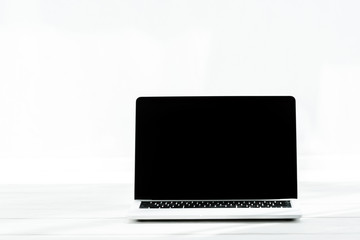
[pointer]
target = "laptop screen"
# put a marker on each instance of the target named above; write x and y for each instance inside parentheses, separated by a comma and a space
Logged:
(213, 148)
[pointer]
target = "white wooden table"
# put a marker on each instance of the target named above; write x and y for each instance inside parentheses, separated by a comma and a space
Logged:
(330, 211)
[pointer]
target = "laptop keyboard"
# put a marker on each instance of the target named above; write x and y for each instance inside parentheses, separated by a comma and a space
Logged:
(216, 204)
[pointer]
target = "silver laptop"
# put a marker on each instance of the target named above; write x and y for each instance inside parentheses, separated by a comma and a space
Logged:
(215, 158)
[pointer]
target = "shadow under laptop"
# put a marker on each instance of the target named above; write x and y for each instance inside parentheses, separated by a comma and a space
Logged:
(220, 227)
(176, 221)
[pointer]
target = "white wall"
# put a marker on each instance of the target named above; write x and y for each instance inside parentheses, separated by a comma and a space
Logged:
(70, 72)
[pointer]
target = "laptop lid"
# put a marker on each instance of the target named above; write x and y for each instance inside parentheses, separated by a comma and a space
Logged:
(214, 148)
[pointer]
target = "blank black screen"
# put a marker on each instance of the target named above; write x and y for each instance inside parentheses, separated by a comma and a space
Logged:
(215, 148)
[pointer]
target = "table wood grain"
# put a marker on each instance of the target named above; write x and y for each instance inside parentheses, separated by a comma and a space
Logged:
(97, 211)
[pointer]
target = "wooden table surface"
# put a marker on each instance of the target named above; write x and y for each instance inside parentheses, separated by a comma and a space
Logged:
(330, 211)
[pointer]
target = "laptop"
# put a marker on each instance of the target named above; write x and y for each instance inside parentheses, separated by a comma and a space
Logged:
(215, 157)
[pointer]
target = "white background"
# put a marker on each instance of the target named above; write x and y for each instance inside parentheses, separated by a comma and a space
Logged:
(70, 72)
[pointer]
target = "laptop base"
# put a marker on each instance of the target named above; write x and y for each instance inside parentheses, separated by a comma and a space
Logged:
(137, 213)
